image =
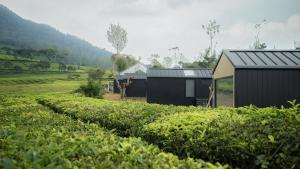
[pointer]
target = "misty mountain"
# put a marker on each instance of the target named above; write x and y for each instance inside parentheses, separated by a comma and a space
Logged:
(21, 33)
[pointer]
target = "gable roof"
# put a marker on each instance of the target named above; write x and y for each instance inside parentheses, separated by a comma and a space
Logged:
(135, 68)
(285, 59)
(180, 73)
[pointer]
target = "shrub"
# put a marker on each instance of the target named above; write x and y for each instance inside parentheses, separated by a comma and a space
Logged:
(246, 137)
(71, 68)
(92, 89)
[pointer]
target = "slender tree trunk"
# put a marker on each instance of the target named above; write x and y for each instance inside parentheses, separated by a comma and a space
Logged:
(210, 47)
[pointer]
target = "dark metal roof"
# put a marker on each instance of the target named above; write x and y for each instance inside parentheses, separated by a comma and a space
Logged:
(180, 73)
(132, 75)
(289, 59)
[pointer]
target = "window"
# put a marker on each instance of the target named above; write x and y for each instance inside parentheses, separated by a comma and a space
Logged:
(190, 88)
(224, 92)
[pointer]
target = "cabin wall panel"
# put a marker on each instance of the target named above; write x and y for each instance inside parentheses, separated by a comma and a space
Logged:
(266, 87)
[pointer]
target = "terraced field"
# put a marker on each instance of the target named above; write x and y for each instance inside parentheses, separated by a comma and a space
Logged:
(35, 84)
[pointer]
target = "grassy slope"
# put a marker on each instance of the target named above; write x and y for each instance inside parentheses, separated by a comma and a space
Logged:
(24, 63)
(35, 84)
(58, 86)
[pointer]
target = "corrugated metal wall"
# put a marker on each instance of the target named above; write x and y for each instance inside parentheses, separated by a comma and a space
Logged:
(266, 87)
(137, 88)
(172, 90)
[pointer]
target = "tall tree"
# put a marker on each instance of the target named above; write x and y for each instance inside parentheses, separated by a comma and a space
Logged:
(155, 63)
(167, 62)
(257, 43)
(176, 55)
(117, 36)
(211, 29)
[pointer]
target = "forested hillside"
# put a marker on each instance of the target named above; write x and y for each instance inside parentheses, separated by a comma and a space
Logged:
(21, 33)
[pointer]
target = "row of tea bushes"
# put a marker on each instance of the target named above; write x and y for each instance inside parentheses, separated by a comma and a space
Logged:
(31, 136)
(128, 118)
(246, 137)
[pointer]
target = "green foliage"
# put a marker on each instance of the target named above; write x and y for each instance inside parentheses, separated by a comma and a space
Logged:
(71, 68)
(41, 65)
(96, 74)
(33, 137)
(246, 137)
(206, 60)
(30, 54)
(93, 88)
(156, 64)
(123, 61)
(36, 84)
(127, 117)
(8, 62)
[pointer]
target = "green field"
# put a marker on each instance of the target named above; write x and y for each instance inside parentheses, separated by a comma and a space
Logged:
(8, 63)
(35, 84)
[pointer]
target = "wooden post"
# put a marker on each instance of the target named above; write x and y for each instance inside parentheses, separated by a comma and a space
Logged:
(211, 94)
(123, 86)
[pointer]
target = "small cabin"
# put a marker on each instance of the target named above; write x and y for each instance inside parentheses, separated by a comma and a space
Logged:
(138, 71)
(136, 87)
(259, 77)
(178, 86)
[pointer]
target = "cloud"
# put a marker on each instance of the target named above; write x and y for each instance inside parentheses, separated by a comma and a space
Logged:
(154, 26)
(280, 35)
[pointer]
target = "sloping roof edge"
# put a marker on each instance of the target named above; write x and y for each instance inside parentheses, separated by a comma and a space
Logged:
(139, 63)
(226, 53)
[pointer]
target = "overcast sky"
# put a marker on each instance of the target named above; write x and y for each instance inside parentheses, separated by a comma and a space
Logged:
(154, 26)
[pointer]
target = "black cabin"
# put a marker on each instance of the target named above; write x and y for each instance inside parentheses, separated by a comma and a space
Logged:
(259, 77)
(178, 86)
(137, 86)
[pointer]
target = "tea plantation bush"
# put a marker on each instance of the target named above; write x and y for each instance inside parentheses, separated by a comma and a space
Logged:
(34, 137)
(247, 137)
(127, 118)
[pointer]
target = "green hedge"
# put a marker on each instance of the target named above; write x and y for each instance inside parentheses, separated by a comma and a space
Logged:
(247, 137)
(127, 118)
(31, 136)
